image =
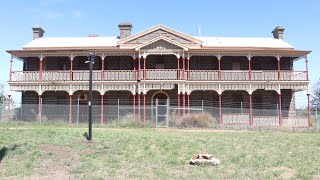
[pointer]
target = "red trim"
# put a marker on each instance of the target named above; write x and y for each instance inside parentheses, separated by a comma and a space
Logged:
(219, 69)
(178, 68)
(102, 70)
(280, 110)
(144, 110)
(102, 110)
(134, 107)
(251, 115)
(9, 109)
(70, 110)
(139, 67)
(279, 70)
(40, 71)
(220, 109)
(309, 113)
(134, 69)
(39, 105)
(184, 67)
(249, 70)
(188, 69)
(71, 68)
(144, 69)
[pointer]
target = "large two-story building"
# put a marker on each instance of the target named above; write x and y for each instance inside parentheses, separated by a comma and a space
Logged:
(247, 81)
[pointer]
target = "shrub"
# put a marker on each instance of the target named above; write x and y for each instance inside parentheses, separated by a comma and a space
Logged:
(199, 120)
(128, 121)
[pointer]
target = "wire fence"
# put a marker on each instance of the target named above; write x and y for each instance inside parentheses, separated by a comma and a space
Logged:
(161, 113)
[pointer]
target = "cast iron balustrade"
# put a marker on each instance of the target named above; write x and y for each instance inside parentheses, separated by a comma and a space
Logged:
(159, 74)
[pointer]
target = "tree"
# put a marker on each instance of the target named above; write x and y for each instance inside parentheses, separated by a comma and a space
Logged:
(3, 97)
(315, 94)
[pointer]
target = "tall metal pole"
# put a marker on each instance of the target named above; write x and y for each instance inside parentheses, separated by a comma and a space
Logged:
(90, 61)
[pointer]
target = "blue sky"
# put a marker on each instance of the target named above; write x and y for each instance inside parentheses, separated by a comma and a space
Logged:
(245, 18)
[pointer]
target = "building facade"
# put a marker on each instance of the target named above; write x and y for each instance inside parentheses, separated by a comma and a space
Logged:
(240, 81)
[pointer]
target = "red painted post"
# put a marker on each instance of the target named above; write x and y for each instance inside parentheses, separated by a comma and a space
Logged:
(219, 69)
(280, 110)
(102, 110)
(139, 108)
(134, 69)
(307, 71)
(309, 113)
(71, 68)
(220, 110)
(249, 69)
(178, 68)
(144, 68)
(188, 104)
(179, 106)
(40, 70)
(9, 109)
(139, 67)
(39, 106)
(251, 115)
(144, 110)
(188, 69)
(134, 107)
(70, 110)
(11, 60)
(184, 68)
(102, 70)
(184, 104)
(278, 69)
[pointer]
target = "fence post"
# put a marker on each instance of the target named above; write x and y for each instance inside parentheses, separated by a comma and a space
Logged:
(241, 108)
(168, 112)
(202, 106)
(118, 111)
(78, 111)
(2, 111)
(157, 112)
(316, 116)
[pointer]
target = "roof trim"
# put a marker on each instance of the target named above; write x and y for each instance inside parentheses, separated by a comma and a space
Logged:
(137, 48)
(157, 27)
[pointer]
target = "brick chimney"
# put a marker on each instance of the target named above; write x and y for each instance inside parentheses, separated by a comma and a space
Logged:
(278, 32)
(37, 32)
(125, 29)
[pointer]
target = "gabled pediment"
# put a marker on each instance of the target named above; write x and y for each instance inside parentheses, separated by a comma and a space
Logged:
(161, 43)
(158, 31)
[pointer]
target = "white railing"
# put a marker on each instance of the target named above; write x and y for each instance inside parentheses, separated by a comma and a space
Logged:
(264, 75)
(203, 75)
(236, 119)
(161, 74)
(56, 76)
(25, 76)
(293, 75)
(119, 75)
(266, 121)
(84, 75)
(234, 75)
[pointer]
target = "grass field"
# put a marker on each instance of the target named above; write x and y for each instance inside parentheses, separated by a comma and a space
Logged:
(58, 152)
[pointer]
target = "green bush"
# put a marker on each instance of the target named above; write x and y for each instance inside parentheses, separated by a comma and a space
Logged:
(128, 121)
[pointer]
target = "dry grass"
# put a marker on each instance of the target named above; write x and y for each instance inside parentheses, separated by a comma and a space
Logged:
(49, 152)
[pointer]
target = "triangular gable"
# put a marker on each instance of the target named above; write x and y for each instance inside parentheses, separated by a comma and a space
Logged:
(162, 42)
(160, 30)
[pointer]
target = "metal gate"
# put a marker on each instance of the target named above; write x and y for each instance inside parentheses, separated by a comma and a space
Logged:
(162, 112)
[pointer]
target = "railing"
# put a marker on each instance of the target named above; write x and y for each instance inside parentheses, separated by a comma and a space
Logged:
(120, 75)
(234, 75)
(25, 76)
(203, 75)
(84, 75)
(159, 74)
(56, 76)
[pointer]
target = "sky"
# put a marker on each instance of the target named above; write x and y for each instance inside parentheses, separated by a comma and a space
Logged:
(245, 18)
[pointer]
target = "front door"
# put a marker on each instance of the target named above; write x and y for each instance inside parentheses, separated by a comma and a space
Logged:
(161, 103)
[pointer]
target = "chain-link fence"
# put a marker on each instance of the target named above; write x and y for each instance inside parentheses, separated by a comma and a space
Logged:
(162, 113)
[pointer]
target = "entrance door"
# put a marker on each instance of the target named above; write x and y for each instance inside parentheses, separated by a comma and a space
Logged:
(161, 102)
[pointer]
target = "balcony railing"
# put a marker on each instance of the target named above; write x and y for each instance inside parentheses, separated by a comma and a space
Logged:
(159, 74)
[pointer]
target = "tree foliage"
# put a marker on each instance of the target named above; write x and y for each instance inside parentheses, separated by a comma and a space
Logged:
(315, 94)
(3, 97)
